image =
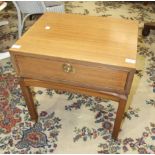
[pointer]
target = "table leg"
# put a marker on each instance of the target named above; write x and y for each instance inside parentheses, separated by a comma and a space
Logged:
(119, 117)
(26, 83)
(29, 100)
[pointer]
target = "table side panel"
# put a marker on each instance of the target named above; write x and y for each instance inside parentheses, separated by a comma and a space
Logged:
(96, 77)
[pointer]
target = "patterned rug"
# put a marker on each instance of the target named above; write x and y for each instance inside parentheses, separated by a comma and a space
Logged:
(74, 123)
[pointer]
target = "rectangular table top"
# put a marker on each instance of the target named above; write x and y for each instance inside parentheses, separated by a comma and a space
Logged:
(104, 40)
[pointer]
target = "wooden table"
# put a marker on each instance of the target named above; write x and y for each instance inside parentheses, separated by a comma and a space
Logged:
(83, 54)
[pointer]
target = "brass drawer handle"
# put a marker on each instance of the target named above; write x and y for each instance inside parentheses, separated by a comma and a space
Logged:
(67, 68)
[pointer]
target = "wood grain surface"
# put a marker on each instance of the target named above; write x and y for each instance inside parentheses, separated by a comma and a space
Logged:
(103, 40)
(97, 77)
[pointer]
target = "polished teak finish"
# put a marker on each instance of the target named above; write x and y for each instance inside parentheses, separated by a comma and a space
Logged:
(82, 54)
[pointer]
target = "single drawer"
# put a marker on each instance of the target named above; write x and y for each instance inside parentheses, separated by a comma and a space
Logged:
(89, 75)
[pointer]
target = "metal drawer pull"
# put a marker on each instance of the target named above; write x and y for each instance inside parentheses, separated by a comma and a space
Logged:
(67, 68)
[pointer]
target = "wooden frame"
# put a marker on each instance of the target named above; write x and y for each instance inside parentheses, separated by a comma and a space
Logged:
(27, 83)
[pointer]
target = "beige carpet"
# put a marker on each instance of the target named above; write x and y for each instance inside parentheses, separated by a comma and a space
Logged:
(72, 123)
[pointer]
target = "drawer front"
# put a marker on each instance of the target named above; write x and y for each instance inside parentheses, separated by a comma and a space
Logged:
(84, 75)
